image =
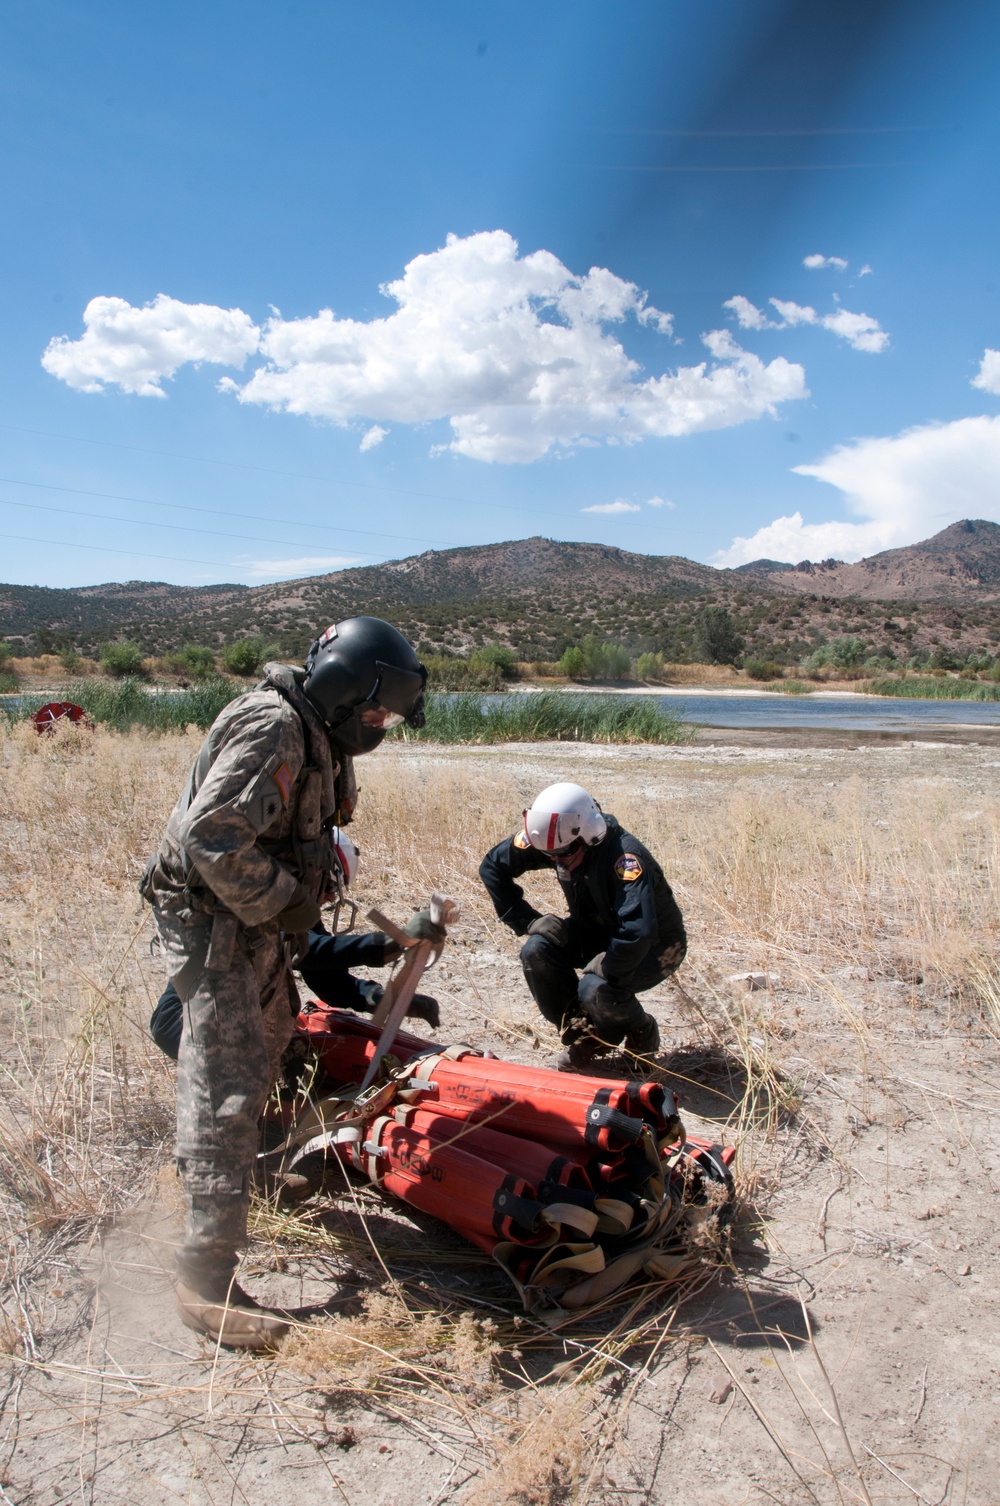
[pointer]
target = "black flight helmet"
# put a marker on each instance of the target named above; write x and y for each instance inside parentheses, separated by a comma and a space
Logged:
(363, 677)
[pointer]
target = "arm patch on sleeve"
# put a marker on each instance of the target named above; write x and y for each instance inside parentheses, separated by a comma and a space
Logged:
(282, 777)
(628, 868)
(521, 840)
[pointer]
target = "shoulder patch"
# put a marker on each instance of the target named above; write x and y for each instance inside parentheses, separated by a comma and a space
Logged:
(521, 840)
(628, 867)
(282, 777)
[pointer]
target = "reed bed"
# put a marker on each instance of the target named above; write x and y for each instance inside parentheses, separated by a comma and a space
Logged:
(128, 703)
(545, 716)
(932, 688)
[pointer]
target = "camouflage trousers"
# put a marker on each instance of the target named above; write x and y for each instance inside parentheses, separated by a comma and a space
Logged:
(238, 1017)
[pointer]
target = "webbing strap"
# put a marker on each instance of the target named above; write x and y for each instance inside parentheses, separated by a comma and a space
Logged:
(601, 1116)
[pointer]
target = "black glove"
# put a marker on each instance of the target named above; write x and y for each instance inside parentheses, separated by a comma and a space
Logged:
(553, 927)
(422, 928)
(596, 965)
(300, 914)
(423, 1007)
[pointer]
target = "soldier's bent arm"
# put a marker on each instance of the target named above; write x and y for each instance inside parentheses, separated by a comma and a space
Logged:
(500, 868)
(245, 793)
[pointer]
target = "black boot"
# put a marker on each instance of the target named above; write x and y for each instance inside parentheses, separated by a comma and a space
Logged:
(644, 1039)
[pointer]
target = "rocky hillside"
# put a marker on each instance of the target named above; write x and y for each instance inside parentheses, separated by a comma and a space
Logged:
(960, 563)
(539, 595)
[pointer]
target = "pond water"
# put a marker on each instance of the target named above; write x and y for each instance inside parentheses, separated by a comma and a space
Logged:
(869, 713)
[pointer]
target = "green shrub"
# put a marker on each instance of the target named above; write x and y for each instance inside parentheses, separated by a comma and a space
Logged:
(6, 653)
(246, 656)
(573, 663)
(716, 640)
(496, 656)
(9, 680)
(445, 672)
(69, 659)
(122, 658)
(761, 669)
(193, 660)
(649, 667)
(593, 660)
(943, 658)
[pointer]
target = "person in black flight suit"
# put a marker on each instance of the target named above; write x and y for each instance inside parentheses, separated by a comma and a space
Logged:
(624, 928)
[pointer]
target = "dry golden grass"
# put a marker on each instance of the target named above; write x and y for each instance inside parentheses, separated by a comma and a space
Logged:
(803, 876)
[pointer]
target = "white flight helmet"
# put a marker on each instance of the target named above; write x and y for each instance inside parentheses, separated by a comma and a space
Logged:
(562, 815)
(346, 859)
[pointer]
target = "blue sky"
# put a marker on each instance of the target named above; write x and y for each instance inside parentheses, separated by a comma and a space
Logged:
(320, 284)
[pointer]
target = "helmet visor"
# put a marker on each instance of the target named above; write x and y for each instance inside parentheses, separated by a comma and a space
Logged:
(398, 689)
(377, 716)
(558, 855)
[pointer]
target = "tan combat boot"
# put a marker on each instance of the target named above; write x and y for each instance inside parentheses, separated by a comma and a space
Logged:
(221, 1310)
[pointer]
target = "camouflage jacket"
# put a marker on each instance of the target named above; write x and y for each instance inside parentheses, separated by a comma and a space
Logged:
(253, 818)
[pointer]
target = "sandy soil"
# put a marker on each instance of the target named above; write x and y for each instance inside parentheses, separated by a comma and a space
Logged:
(868, 1219)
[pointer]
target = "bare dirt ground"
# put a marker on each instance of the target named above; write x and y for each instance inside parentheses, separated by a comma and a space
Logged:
(845, 1349)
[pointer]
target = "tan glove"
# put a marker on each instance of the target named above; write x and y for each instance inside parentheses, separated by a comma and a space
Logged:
(422, 928)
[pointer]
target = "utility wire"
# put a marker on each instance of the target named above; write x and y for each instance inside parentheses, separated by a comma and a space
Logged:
(244, 465)
(218, 512)
(23, 538)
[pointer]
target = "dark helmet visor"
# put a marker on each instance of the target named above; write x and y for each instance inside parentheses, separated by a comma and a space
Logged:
(397, 690)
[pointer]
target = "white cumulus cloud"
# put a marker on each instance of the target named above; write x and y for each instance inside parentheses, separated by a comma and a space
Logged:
(136, 348)
(748, 315)
(660, 502)
(619, 505)
(899, 488)
(988, 376)
(372, 437)
(815, 262)
(861, 331)
(515, 352)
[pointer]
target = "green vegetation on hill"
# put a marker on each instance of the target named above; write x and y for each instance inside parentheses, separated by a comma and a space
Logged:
(538, 598)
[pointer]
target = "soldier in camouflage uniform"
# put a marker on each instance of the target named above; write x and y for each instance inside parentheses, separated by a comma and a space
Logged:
(239, 876)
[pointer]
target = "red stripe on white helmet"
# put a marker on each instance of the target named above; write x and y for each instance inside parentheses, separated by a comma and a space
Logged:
(561, 815)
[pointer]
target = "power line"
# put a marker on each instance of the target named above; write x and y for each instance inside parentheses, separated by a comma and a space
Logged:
(132, 554)
(218, 533)
(220, 512)
(565, 517)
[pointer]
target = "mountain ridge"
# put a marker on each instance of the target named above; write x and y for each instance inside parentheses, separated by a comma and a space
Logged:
(539, 594)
